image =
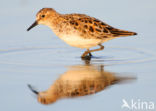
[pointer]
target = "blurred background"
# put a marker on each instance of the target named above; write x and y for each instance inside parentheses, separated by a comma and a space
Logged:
(38, 57)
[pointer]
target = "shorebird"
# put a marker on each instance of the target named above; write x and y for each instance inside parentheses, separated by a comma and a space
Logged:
(79, 30)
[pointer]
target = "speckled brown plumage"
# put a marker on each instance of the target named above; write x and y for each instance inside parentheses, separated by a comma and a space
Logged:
(90, 27)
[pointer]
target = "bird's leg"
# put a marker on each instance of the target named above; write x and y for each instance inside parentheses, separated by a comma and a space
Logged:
(101, 48)
(89, 51)
(85, 55)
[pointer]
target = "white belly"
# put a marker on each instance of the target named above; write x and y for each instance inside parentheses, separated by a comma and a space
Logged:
(77, 41)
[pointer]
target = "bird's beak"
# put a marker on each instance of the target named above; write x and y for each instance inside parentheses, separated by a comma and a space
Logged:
(32, 89)
(33, 25)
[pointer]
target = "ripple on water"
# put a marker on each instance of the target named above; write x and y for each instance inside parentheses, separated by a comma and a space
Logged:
(47, 56)
(120, 55)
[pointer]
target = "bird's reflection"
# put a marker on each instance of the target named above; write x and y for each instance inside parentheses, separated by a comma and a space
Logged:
(80, 80)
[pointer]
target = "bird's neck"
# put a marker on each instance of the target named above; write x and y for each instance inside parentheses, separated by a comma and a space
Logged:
(56, 23)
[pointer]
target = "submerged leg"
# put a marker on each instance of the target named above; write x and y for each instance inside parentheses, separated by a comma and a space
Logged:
(87, 55)
(90, 54)
(89, 51)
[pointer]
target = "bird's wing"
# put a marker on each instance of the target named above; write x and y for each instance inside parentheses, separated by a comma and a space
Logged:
(92, 27)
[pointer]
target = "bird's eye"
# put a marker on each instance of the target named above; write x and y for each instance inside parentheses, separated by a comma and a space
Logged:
(43, 16)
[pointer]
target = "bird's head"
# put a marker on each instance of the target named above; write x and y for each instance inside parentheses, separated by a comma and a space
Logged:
(45, 16)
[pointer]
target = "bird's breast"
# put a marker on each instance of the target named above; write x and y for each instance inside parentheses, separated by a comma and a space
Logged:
(76, 40)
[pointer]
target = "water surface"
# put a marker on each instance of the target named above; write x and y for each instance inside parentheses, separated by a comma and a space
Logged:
(39, 58)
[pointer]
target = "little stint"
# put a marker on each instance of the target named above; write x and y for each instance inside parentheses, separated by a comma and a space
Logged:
(79, 30)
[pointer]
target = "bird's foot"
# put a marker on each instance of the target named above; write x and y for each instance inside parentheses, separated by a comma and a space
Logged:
(90, 55)
(87, 57)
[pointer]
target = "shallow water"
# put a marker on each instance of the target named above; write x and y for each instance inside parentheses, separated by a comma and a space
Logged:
(39, 58)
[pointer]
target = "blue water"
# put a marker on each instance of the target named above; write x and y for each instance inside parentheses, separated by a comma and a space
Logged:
(38, 57)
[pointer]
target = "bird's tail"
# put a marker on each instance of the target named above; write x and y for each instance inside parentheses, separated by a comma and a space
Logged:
(120, 33)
